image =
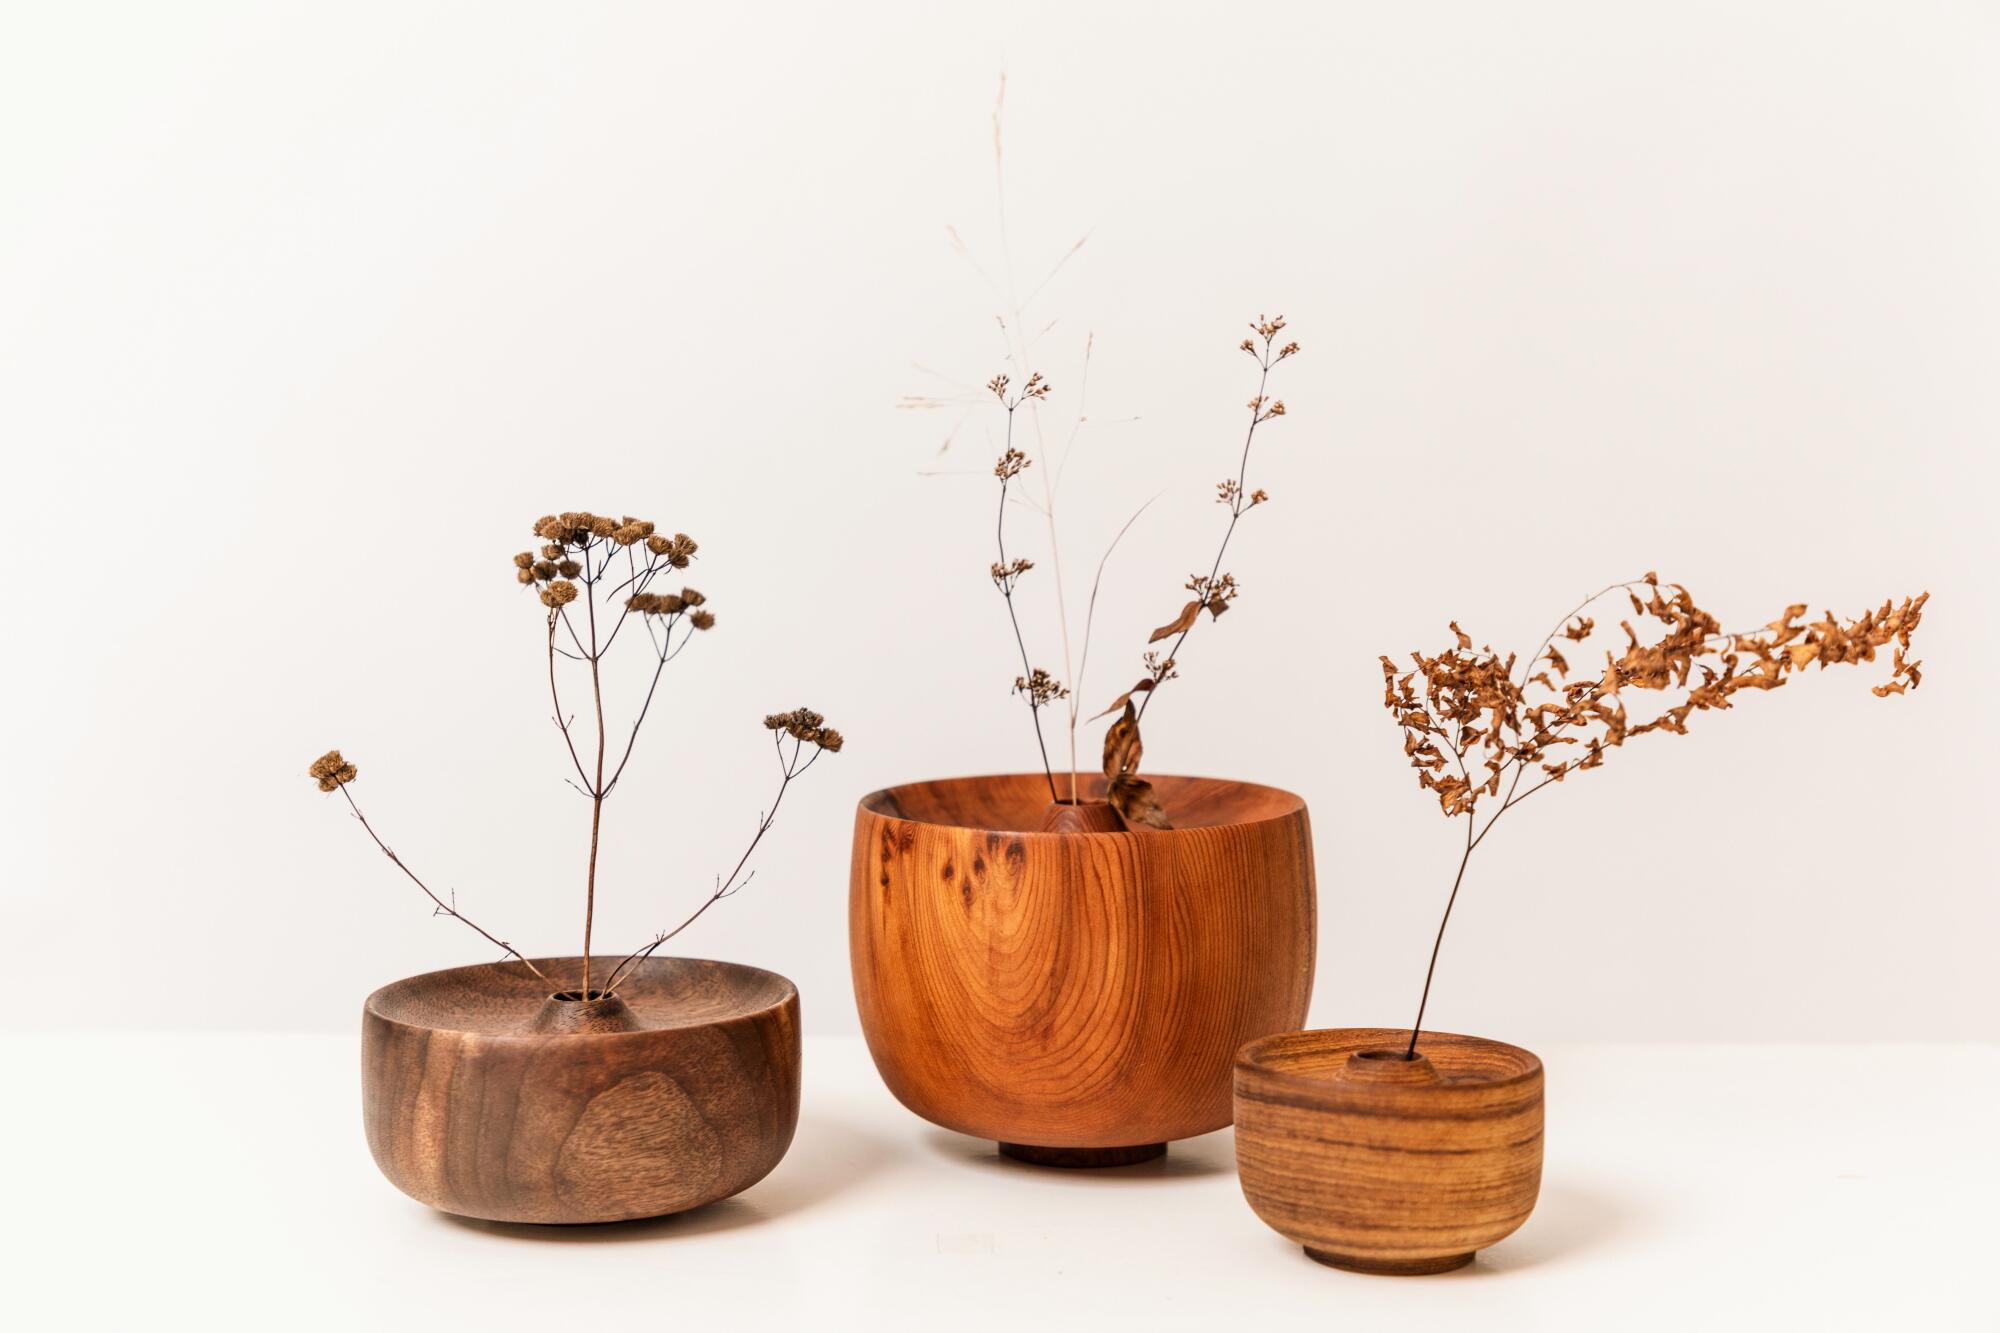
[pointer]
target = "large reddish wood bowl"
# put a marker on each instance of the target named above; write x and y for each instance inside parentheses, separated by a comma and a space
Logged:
(484, 1096)
(1077, 996)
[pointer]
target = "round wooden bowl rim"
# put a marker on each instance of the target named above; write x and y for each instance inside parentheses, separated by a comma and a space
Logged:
(1250, 1060)
(1296, 805)
(788, 995)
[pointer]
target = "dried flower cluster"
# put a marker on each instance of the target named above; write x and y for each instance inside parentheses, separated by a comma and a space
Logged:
(331, 771)
(1472, 708)
(1474, 722)
(586, 563)
(802, 724)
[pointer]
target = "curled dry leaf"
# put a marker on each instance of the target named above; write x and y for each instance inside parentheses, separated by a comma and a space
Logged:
(1180, 624)
(1124, 700)
(1129, 794)
(1133, 799)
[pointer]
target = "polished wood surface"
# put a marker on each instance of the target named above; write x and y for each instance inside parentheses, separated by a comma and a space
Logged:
(1076, 990)
(1384, 1165)
(484, 1097)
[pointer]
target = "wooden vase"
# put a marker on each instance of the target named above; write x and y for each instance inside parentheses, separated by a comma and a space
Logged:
(1383, 1165)
(485, 1096)
(1039, 976)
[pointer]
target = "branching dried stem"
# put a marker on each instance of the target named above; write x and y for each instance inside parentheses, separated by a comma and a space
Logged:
(1213, 592)
(804, 727)
(576, 563)
(1035, 686)
(1475, 707)
(441, 907)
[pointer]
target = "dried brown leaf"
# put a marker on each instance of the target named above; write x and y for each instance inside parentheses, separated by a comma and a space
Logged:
(1180, 624)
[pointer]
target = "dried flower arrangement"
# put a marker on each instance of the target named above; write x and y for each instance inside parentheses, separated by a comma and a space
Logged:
(1473, 708)
(585, 564)
(1214, 592)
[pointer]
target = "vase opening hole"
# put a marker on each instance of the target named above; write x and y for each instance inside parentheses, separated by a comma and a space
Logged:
(581, 997)
(1402, 1057)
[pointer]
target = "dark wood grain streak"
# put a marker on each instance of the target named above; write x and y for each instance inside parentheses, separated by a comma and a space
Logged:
(483, 1097)
(1076, 989)
(1384, 1165)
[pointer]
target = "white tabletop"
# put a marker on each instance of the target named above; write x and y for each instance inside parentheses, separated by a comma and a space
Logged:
(225, 1177)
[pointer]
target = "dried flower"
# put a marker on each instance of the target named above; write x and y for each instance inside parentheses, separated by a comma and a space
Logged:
(332, 771)
(1007, 575)
(702, 620)
(524, 561)
(807, 727)
(558, 594)
(1040, 687)
(1475, 725)
(1010, 465)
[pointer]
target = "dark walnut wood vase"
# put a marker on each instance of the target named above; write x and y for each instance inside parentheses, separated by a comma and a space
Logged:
(1036, 975)
(486, 1097)
(1383, 1165)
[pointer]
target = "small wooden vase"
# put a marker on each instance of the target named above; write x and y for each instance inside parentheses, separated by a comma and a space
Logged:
(1036, 975)
(1383, 1165)
(485, 1096)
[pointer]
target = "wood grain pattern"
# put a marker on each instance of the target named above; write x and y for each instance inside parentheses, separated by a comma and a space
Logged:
(1076, 990)
(1384, 1165)
(483, 1097)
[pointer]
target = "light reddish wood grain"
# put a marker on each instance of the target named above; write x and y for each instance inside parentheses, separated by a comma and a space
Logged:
(1076, 989)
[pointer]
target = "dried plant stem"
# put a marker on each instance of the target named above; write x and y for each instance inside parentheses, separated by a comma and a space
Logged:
(1472, 841)
(1014, 619)
(791, 768)
(443, 908)
(1236, 511)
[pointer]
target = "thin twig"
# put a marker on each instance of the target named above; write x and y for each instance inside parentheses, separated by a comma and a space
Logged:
(791, 769)
(442, 907)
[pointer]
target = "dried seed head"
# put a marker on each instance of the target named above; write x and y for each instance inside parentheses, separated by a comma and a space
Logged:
(1040, 688)
(560, 593)
(702, 620)
(524, 561)
(807, 727)
(1010, 465)
(331, 771)
(545, 569)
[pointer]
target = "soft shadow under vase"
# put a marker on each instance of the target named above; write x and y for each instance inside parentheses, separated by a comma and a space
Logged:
(485, 1096)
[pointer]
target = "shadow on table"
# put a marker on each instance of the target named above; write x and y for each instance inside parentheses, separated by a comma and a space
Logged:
(826, 1157)
(1568, 1221)
(1187, 1159)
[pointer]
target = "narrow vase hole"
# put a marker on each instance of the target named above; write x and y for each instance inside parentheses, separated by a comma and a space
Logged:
(574, 996)
(1383, 1055)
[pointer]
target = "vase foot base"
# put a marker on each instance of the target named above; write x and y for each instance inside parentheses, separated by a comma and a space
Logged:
(1083, 1157)
(1443, 1263)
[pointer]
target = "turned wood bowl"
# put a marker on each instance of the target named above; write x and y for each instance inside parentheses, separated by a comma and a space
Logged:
(1383, 1165)
(485, 1096)
(1039, 976)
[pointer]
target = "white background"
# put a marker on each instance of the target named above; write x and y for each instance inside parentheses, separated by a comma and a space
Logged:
(307, 311)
